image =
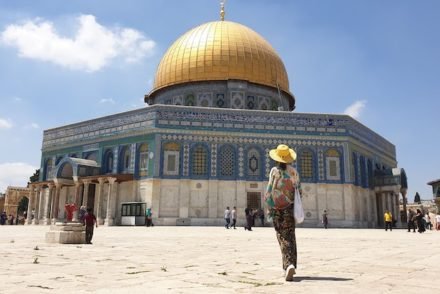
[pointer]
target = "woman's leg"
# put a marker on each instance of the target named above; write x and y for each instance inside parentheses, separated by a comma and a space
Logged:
(284, 224)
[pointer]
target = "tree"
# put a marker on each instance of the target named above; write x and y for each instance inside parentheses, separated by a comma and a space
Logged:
(35, 177)
(22, 205)
(417, 198)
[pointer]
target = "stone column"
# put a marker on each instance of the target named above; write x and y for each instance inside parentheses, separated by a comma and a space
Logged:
(56, 203)
(41, 206)
(404, 191)
(397, 209)
(390, 202)
(98, 200)
(31, 202)
(76, 201)
(109, 217)
(86, 192)
(48, 206)
(37, 206)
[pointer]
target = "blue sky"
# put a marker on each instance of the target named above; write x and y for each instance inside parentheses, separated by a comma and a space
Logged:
(67, 61)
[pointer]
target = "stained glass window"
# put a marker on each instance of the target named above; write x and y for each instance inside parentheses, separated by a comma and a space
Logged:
(227, 161)
(306, 164)
(333, 165)
(143, 160)
(199, 161)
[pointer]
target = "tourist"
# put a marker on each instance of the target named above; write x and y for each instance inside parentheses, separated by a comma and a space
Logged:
(234, 217)
(428, 221)
(388, 218)
(437, 220)
(411, 220)
(280, 194)
(419, 219)
(82, 213)
(149, 217)
(227, 217)
(261, 215)
(3, 218)
(325, 219)
(11, 219)
(89, 222)
(249, 218)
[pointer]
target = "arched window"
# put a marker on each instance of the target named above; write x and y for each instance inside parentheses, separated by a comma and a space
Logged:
(199, 162)
(227, 161)
(306, 165)
(333, 165)
(253, 163)
(108, 162)
(124, 161)
(143, 160)
(171, 159)
(48, 169)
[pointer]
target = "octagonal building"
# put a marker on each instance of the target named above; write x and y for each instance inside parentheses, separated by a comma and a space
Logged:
(220, 101)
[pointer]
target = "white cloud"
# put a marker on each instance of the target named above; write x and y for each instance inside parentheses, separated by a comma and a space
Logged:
(355, 109)
(107, 100)
(5, 124)
(32, 126)
(91, 48)
(15, 174)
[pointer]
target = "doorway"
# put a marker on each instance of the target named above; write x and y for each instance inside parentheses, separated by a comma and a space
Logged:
(91, 197)
(253, 200)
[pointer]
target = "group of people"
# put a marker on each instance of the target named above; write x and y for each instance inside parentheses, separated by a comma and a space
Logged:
(421, 221)
(250, 214)
(11, 219)
(415, 220)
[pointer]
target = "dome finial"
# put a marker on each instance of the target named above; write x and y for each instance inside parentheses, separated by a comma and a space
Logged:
(222, 9)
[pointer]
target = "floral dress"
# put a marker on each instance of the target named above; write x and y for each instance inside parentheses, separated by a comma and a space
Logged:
(280, 196)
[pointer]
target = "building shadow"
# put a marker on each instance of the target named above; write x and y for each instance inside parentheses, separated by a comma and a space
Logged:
(300, 279)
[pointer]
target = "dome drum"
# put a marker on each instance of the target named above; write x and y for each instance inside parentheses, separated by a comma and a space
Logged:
(224, 94)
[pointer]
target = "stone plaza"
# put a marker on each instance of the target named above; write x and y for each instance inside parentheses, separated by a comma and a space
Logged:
(215, 260)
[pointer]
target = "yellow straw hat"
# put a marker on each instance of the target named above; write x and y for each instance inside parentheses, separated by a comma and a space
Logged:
(283, 154)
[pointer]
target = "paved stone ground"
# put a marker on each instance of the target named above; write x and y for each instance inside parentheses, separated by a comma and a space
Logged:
(216, 260)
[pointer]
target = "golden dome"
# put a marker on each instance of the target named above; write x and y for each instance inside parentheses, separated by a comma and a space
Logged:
(221, 50)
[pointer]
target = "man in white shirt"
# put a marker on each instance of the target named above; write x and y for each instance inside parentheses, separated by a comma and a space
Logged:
(227, 217)
(437, 219)
(234, 217)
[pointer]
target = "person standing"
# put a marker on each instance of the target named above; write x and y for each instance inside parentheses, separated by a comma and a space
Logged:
(437, 219)
(279, 197)
(249, 219)
(89, 222)
(388, 218)
(428, 221)
(419, 219)
(325, 219)
(227, 217)
(82, 213)
(411, 219)
(234, 217)
(149, 217)
(261, 215)
(3, 218)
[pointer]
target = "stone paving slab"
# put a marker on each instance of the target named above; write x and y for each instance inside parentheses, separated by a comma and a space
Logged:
(216, 260)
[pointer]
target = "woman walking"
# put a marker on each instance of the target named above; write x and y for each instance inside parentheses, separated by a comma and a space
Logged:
(419, 219)
(280, 195)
